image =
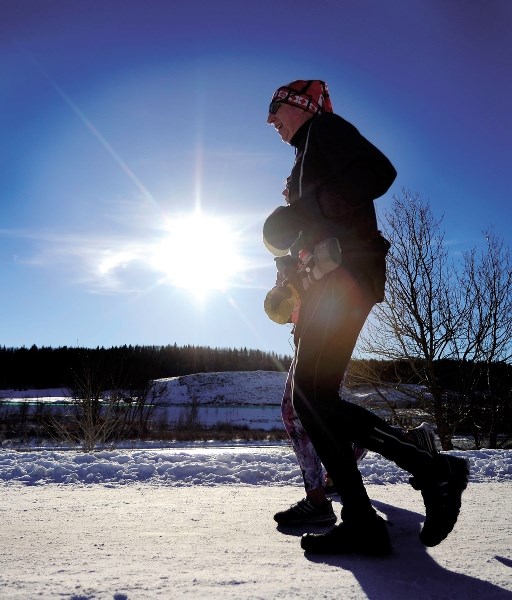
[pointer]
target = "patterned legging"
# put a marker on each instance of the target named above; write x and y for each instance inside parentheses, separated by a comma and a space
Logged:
(309, 461)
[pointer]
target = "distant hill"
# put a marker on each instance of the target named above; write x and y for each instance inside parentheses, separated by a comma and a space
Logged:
(224, 388)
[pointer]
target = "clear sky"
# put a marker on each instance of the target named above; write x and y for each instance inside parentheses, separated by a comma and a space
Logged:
(137, 167)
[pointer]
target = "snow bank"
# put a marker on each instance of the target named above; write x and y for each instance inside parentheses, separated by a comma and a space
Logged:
(209, 464)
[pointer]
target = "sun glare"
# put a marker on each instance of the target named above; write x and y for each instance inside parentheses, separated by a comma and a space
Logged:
(199, 253)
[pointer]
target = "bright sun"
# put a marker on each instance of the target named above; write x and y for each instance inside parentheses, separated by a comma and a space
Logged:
(199, 253)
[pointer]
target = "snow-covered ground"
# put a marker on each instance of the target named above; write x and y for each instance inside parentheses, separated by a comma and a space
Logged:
(195, 521)
(208, 464)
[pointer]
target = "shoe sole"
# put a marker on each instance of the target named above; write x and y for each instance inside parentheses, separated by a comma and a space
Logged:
(325, 544)
(311, 549)
(319, 521)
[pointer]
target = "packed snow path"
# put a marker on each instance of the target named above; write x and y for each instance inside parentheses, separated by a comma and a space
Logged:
(196, 522)
(142, 542)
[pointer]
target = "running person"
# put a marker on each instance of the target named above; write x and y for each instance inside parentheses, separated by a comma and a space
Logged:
(335, 179)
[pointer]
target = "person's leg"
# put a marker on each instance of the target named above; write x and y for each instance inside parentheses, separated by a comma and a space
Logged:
(327, 335)
(316, 399)
(331, 320)
(315, 508)
(307, 457)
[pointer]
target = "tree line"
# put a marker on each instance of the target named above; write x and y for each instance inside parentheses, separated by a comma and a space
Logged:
(127, 366)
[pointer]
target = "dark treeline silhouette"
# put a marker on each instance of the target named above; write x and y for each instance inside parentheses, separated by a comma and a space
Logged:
(125, 366)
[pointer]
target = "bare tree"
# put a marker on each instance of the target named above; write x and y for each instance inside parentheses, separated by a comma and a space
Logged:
(484, 340)
(417, 321)
(451, 322)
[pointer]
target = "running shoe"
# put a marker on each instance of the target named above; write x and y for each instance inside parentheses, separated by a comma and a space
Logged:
(305, 512)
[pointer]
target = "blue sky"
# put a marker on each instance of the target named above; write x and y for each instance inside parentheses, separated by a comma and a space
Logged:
(122, 119)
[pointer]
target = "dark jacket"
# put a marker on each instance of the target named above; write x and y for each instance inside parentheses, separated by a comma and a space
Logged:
(340, 174)
(335, 179)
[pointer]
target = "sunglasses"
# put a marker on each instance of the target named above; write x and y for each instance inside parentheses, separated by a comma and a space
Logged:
(274, 106)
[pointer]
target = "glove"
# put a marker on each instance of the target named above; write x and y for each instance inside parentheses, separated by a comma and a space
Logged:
(325, 258)
(280, 303)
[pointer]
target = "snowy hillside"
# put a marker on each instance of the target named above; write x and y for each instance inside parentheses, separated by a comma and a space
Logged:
(225, 388)
(256, 388)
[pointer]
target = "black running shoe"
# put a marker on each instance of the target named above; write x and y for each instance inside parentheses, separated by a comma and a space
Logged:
(368, 537)
(424, 438)
(307, 513)
(442, 499)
